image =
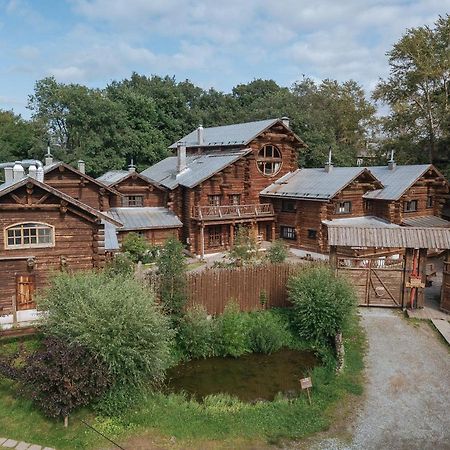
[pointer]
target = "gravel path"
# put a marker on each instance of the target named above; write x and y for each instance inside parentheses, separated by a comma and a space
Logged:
(408, 388)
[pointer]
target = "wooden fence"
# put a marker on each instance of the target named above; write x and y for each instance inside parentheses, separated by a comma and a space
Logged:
(253, 287)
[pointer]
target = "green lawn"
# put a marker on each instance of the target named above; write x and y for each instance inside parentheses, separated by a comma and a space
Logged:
(218, 419)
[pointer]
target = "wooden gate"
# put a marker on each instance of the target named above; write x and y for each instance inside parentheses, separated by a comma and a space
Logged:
(378, 281)
(25, 287)
(445, 294)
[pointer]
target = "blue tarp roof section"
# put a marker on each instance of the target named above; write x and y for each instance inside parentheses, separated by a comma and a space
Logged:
(144, 218)
(198, 168)
(113, 176)
(313, 184)
(395, 181)
(236, 134)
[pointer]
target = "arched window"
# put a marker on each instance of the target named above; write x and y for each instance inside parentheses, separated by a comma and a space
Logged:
(29, 235)
(269, 160)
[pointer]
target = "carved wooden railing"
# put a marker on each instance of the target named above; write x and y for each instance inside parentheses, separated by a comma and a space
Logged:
(232, 211)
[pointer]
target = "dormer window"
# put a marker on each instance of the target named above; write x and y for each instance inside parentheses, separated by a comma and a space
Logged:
(269, 160)
(29, 235)
(344, 208)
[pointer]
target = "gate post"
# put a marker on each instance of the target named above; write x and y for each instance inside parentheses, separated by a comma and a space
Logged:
(333, 258)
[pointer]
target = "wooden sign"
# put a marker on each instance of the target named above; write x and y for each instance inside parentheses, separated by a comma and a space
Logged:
(306, 383)
(415, 282)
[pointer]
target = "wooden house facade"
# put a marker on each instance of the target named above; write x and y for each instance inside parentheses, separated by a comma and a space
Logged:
(43, 230)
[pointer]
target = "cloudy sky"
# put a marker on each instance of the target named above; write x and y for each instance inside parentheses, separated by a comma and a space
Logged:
(217, 43)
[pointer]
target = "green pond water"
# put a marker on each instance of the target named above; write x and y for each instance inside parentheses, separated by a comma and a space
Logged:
(250, 378)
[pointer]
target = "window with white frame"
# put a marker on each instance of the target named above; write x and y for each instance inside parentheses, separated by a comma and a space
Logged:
(287, 232)
(29, 235)
(430, 201)
(344, 208)
(214, 200)
(133, 200)
(410, 206)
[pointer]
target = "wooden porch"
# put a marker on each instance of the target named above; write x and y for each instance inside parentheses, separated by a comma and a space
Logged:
(232, 212)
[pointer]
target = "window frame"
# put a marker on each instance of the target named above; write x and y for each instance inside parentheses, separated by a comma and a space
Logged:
(430, 202)
(263, 161)
(290, 235)
(126, 201)
(286, 201)
(214, 196)
(344, 211)
(21, 226)
(407, 207)
(215, 236)
(312, 234)
(231, 198)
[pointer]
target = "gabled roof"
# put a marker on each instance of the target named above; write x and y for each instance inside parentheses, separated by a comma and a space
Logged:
(6, 188)
(230, 135)
(314, 184)
(396, 181)
(144, 218)
(198, 168)
(57, 164)
(113, 177)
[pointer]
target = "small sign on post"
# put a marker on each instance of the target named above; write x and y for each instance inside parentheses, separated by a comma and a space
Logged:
(306, 383)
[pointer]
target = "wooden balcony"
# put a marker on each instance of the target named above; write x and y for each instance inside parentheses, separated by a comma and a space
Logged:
(232, 212)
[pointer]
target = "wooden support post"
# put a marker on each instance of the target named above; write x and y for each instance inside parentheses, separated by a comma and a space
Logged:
(423, 275)
(14, 310)
(333, 258)
(202, 241)
(272, 236)
(231, 240)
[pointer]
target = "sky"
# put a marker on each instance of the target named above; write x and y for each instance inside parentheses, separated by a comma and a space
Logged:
(213, 43)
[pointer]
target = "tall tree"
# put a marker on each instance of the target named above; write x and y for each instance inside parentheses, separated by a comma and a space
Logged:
(417, 90)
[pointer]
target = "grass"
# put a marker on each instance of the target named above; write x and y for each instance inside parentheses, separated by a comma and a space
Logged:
(218, 418)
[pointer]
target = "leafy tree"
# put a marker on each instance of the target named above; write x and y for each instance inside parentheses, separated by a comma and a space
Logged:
(172, 270)
(323, 303)
(116, 319)
(277, 252)
(417, 91)
(245, 248)
(136, 247)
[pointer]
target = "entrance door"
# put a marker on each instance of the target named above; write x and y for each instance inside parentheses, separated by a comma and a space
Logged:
(378, 281)
(25, 287)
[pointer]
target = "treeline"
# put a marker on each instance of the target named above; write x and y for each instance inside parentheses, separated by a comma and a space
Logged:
(139, 117)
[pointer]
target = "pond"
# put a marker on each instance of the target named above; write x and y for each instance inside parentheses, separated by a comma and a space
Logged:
(251, 377)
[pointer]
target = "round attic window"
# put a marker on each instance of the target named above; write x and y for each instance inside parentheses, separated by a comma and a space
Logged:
(269, 160)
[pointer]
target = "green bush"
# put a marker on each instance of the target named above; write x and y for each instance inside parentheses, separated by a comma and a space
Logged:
(114, 318)
(197, 334)
(323, 303)
(245, 248)
(267, 332)
(136, 247)
(232, 330)
(277, 252)
(121, 264)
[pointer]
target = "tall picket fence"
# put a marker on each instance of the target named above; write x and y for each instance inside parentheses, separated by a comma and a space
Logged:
(252, 287)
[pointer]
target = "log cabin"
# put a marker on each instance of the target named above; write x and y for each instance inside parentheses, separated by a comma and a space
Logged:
(215, 180)
(43, 230)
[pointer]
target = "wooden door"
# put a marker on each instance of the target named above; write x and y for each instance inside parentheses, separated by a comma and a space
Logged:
(25, 287)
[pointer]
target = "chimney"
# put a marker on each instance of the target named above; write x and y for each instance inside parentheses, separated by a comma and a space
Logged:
(329, 164)
(40, 174)
(285, 121)
(132, 167)
(181, 156)
(48, 156)
(200, 135)
(9, 174)
(32, 171)
(18, 171)
(82, 166)
(391, 163)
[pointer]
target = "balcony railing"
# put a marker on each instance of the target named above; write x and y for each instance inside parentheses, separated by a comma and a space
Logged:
(232, 211)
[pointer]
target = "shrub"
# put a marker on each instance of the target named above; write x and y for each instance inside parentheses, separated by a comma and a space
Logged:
(277, 252)
(121, 264)
(114, 318)
(323, 303)
(172, 269)
(245, 248)
(197, 334)
(136, 247)
(232, 329)
(267, 332)
(60, 377)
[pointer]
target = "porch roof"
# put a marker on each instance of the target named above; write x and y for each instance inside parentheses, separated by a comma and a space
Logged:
(426, 221)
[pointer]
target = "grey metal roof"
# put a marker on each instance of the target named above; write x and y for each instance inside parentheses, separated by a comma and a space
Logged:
(361, 221)
(426, 222)
(236, 134)
(400, 237)
(111, 241)
(113, 176)
(144, 218)
(395, 181)
(313, 184)
(198, 168)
